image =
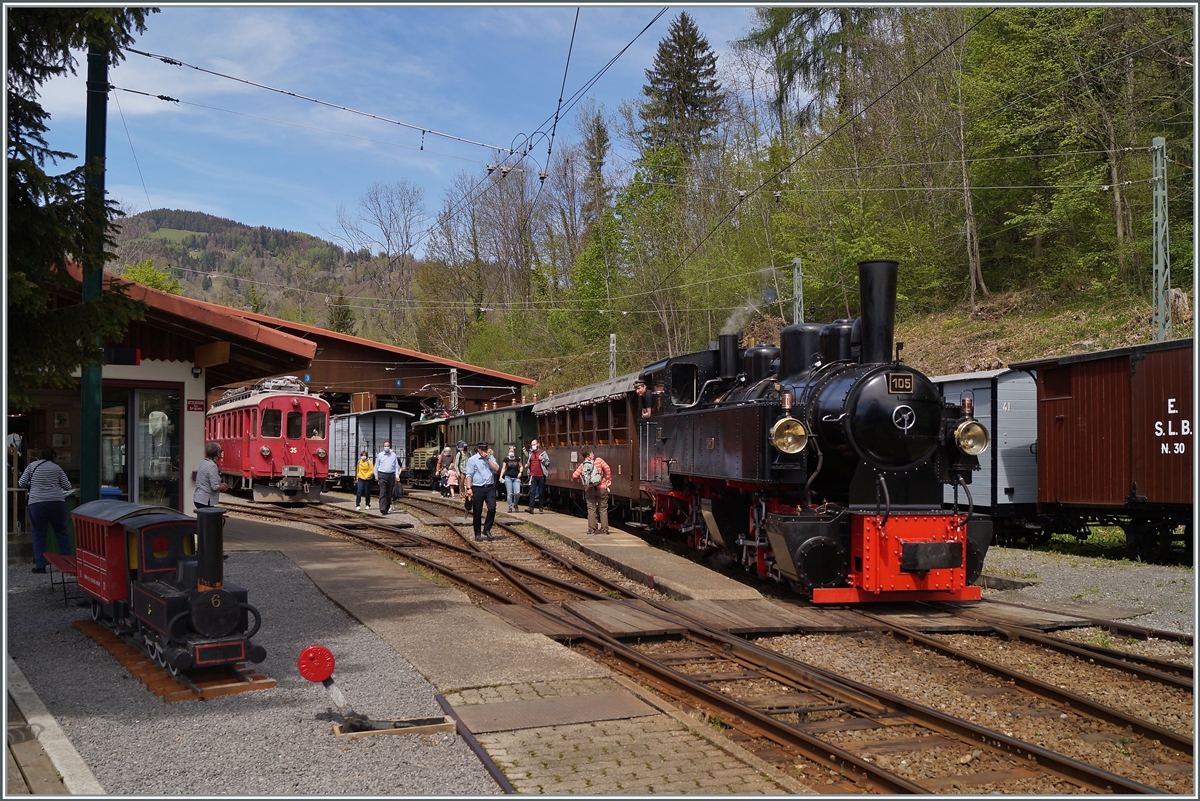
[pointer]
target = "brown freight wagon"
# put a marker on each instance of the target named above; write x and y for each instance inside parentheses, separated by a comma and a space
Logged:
(1115, 442)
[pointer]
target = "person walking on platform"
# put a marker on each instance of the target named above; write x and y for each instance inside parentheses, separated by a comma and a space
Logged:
(539, 467)
(364, 474)
(387, 468)
(444, 463)
(480, 487)
(47, 484)
(512, 479)
(596, 476)
(209, 485)
(460, 466)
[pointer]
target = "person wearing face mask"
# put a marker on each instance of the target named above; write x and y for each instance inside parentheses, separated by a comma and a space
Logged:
(387, 467)
(364, 474)
(511, 470)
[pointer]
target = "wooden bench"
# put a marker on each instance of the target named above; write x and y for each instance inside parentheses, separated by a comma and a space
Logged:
(67, 569)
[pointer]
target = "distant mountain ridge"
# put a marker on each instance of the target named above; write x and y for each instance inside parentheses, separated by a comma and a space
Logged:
(269, 270)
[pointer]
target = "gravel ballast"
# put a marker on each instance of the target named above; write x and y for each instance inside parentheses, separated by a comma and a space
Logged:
(1071, 584)
(265, 742)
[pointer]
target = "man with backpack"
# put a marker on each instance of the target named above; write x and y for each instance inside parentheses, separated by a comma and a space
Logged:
(596, 476)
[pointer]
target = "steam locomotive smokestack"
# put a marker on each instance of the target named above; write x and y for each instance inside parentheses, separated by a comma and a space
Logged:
(877, 299)
(728, 345)
(210, 529)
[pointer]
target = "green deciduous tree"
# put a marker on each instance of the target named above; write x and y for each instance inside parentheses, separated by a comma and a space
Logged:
(144, 272)
(48, 221)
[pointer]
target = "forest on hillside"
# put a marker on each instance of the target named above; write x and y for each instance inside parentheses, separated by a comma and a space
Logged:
(987, 150)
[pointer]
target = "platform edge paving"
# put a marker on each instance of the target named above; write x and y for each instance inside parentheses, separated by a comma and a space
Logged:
(77, 777)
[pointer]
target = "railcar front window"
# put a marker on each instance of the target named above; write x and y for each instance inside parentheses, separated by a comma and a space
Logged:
(272, 423)
(295, 425)
(315, 425)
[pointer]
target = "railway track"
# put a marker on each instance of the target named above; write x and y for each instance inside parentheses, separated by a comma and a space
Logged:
(839, 734)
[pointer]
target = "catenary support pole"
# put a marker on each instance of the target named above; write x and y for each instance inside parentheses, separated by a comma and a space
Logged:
(797, 292)
(93, 268)
(1162, 241)
(453, 387)
(612, 356)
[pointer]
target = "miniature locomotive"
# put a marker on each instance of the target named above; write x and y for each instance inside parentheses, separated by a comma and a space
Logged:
(156, 577)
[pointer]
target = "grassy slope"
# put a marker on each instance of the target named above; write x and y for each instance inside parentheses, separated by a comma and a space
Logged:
(1015, 326)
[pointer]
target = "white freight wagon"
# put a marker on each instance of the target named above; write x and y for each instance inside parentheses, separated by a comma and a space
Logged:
(358, 431)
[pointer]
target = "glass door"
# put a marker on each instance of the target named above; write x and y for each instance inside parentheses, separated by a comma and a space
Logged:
(114, 469)
(158, 434)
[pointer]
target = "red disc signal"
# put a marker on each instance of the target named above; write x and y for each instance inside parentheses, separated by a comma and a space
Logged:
(315, 663)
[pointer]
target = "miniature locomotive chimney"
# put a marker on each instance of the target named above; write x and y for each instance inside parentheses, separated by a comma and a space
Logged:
(877, 301)
(728, 345)
(210, 530)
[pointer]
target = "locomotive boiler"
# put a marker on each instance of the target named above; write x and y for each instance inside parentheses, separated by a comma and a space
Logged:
(156, 577)
(821, 462)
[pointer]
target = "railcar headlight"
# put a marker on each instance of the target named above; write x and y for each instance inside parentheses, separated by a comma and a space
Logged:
(320, 453)
(971, 437)
(265, 451)
(788, 435)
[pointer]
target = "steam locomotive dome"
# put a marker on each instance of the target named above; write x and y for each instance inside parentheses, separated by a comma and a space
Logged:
(888, 416)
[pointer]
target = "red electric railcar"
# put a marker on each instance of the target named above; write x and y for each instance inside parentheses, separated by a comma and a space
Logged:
(275, 440)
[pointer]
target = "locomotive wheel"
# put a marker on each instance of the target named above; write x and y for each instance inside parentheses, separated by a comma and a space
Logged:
(152, 649)
(97, 611)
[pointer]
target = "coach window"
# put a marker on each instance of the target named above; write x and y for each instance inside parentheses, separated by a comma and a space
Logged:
(315, 425)
(560, 425)
(254, 422)
(272, 423)
(603, 437)
(620, 422)
(587, 424)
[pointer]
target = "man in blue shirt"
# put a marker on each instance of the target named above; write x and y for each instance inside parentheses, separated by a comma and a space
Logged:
(480, 481)
(387, 468)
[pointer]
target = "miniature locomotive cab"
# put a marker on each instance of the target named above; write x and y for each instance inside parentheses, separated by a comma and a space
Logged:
(156, 577)
(821, 462)
(274, 438)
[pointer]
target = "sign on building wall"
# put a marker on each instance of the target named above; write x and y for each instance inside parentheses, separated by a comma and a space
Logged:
(195, 405)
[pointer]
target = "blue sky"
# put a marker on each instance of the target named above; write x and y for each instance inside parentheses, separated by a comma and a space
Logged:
(485, 73)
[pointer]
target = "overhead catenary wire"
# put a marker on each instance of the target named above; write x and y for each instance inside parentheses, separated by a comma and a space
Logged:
(423, 129)
(137, 164)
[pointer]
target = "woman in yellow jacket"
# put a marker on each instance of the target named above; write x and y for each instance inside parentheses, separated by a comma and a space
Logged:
(365, 472)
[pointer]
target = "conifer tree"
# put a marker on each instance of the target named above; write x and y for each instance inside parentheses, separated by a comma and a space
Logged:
(340, 317)
(48, 222)
(683, 100)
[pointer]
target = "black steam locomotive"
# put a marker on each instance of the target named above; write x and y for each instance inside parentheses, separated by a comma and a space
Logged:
(157, 577)
(821, 461)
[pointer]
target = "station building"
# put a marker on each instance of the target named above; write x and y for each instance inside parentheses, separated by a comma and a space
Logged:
(358, 375)
(162, 378)
(153, 396)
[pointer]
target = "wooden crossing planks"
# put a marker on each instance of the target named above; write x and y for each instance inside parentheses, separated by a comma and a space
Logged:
(1009, 615)
(621, 620)
(210, 683)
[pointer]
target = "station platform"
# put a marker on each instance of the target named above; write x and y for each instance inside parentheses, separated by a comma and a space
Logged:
(554, 721)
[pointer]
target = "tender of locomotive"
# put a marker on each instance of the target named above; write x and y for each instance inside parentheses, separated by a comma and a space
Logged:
(821, 462)
(156, 576)
(274, 439)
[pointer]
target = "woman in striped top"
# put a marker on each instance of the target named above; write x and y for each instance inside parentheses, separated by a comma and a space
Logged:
(47, 485)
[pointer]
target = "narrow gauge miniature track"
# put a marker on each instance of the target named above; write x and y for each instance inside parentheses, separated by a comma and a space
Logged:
(790, 708)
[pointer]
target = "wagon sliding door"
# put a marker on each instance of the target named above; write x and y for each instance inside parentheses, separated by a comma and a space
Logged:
(1162, 426)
